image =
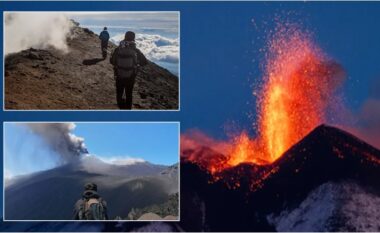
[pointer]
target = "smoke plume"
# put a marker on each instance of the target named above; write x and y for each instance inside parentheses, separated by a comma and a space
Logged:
(39, 30)
(59, 137)
(365, 123)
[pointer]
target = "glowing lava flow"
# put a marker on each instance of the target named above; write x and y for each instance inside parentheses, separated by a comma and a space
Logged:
(297, 94)
(299, 90)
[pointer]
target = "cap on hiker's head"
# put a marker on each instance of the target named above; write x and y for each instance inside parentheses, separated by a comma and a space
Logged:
(130, 36)
(105, 28)
(91, 186)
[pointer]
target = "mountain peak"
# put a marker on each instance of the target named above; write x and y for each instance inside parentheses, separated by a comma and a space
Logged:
(324, 130)
(341, 144)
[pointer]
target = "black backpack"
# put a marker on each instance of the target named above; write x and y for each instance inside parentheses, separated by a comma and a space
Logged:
(92, 209)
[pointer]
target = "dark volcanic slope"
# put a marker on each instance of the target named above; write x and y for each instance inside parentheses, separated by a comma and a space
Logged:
(51, 195)
(80, 79)
(326, 159)
(326, 154)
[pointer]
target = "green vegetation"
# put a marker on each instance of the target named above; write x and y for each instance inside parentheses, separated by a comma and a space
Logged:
(169, 207)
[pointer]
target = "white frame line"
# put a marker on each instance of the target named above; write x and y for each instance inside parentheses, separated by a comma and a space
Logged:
(97, 122)
(98, 110)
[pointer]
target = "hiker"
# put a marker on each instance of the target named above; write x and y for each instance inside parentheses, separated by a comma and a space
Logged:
(104, 37)
(126, 60)
(91, 206)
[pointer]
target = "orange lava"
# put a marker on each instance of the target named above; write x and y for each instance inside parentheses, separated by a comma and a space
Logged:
(298, 92)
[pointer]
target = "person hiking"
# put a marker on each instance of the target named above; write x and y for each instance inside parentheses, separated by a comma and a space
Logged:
(126, 60)
(104, 37)
(91, 206)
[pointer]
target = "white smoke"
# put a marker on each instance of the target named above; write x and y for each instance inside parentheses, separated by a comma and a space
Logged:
(7, 174)
(40, 30)
(157, 48)
(121, 161)
(97, 164)
(59, 137)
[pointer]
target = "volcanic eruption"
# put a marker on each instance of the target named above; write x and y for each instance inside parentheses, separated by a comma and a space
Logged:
(297, 174)
(300, 90)
(132, 186)
(274, 181)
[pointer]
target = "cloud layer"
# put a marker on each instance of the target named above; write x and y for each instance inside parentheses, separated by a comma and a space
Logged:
(97, 164)
(121, 161)
(156, 47)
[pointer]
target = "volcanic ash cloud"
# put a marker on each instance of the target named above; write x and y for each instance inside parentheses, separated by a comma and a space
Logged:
(59, 137)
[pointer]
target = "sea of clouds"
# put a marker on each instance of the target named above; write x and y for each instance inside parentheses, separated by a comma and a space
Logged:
(157, 48)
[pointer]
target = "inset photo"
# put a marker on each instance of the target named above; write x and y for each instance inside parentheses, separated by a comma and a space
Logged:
(91, 60)
(91, 171)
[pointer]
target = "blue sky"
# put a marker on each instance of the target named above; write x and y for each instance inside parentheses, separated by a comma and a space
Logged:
(26, 152)
(153, 142)
(165, 23)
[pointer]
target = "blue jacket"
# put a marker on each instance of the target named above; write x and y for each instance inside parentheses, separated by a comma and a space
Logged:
(104, 36)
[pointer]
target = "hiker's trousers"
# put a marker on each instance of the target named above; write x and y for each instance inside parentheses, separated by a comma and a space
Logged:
(125, 85)
(104, 46)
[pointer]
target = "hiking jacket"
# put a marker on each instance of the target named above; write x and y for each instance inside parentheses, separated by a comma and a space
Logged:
(104, 36)
(88, 194)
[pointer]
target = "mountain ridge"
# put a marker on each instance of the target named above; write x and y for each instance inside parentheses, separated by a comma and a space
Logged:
(123, 187)
(38, 79)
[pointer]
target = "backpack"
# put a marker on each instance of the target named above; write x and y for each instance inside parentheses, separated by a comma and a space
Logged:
(92, 209)
(126, 61)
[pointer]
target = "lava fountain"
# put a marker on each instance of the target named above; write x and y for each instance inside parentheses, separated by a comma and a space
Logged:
(298, 92)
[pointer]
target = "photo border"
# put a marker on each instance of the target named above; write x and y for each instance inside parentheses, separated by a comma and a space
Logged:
(97, 122)
(97, 110)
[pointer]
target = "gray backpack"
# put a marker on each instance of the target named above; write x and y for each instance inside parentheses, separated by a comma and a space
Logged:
(126, 62)
(92, 209)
